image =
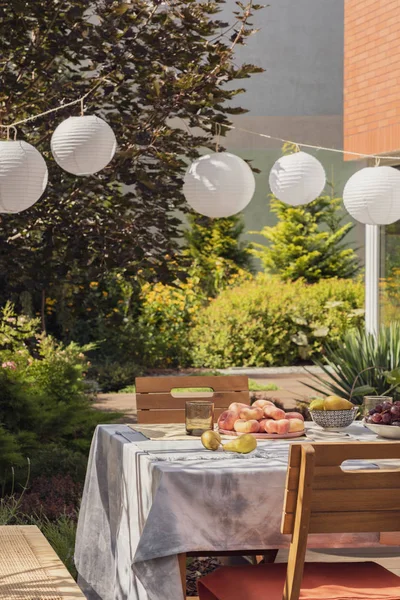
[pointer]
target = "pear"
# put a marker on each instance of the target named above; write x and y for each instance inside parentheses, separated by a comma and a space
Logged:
(317, 404)
(211, 439)
(337, 403)
(243, 444)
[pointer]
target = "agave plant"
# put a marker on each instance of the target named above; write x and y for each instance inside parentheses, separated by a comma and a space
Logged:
(370, 364)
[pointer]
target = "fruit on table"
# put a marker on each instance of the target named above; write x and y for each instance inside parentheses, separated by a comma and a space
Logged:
(296, 425)
(242, 444)
(249, 413)
(336, 403)
(263, 403)
(227, 419)
(294, 415)
(280, 427)
(317, 404)
(385, 413)
(272, 412)
(211, 439)
(243, 426)
(237, 406)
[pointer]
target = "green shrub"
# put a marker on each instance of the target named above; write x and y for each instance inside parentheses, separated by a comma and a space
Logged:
(45, 414)
(167, 316)
(113, 376)
(269, 322)
(164, 324)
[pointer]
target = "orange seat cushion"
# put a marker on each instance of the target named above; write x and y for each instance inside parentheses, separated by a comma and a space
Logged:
(321, 581)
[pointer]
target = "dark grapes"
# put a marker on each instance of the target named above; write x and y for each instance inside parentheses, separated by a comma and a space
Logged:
(386, 419)
(376, 418)
(372, 411)
(395, 411)
(387, 406)
(379, 408)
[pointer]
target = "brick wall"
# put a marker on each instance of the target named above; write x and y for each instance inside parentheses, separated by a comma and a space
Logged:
(372, 76)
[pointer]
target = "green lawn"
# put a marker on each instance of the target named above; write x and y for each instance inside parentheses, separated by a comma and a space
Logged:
(254, 386)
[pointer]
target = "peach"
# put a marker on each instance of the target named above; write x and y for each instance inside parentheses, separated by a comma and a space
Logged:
(237, 406)
(263, 403)
(251, 413)
(242, 426)
(294, 415)
(295, 425)
(281, 426)
(262, 424)
(227, 419)
(272, 412)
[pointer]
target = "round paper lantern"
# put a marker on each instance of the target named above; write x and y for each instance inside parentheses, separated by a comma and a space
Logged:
(23, 176)
(83, 145)
(297, 178)
(219, 185)
(372, 195)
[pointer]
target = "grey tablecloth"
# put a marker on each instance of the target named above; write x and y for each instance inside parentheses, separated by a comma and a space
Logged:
(147, 501)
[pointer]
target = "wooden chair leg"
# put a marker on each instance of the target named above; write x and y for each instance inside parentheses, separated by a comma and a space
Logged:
(182, 569)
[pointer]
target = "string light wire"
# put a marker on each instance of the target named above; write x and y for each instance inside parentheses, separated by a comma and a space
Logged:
(299, 145)
(62, 106)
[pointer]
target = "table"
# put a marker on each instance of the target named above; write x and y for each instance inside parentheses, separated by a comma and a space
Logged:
(146, 501)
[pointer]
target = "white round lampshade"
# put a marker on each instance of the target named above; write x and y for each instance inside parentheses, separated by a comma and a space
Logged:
(83, 145)
(219, 185)
(372, 195)
(23, 176)
(297, 178)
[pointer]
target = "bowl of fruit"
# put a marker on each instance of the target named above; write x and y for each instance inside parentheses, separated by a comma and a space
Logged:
(384, 420)
(263, 419)
(332, 413)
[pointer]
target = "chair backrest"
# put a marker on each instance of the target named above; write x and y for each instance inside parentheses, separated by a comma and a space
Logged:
(156, 404)
(322, 497)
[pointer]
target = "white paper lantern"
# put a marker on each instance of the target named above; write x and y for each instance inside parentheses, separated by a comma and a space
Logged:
(372, 195)
(83, 145)
(297, 178)
(219, 185)
(23, 176)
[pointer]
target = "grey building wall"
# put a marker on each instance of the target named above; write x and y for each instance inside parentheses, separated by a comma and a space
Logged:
(298, 97)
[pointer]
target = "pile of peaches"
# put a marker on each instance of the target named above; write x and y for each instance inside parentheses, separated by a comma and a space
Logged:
(261, 417)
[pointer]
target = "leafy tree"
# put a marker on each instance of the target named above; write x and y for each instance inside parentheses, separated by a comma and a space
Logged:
(307, 241)
(161, 69)
(216, 253)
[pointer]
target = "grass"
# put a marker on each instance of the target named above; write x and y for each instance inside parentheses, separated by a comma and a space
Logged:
(61, 535)
(254, 386)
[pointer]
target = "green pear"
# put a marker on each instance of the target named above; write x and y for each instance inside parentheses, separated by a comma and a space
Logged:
(243, 444)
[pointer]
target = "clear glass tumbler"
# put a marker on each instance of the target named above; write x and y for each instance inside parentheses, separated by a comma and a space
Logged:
(199, 416)
(371, 402)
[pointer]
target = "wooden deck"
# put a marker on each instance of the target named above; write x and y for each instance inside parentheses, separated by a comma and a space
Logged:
(30, 569)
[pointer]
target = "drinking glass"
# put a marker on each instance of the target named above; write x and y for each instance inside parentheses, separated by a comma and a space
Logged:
(372, 402)
(199, 416)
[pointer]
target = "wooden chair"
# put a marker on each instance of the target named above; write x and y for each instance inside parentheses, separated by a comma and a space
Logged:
(156, 404)
(321, 497)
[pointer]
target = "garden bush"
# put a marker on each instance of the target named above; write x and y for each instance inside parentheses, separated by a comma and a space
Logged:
(168, 313)
(269, 322)
(45, 415)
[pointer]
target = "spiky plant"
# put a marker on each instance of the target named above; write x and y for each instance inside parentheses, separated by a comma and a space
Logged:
(351, 362)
